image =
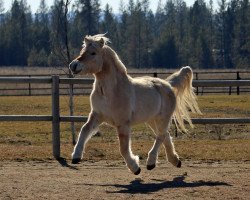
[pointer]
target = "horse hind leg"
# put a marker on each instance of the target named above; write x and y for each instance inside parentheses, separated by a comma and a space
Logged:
(162, 136)
(131, 160)
(153, 153)
(172, 156)
(160, 131)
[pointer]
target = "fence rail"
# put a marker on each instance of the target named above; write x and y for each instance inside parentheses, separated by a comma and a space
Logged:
(29, 88)
(220, 83)
(55, 117)
(48, 118)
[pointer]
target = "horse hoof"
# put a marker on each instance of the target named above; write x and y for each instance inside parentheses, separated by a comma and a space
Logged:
(138, 171)
(150, 167)
(179, 164)
(76, 160)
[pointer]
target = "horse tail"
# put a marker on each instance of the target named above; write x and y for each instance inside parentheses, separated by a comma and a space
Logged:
(181, 83)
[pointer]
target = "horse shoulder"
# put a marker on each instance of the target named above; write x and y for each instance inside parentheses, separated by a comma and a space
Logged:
(96, 101)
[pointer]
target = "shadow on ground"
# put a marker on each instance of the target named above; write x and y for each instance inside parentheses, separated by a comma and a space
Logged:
(138, 187)
(63, 162)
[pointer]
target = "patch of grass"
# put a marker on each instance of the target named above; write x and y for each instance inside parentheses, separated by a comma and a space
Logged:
(32, 140)
(101, 149)
(214, 149)
(224, 105)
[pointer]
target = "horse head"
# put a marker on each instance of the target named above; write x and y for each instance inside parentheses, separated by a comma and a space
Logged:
(90, 59)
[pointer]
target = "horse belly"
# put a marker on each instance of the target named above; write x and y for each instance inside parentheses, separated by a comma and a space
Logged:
(114, 111)
(147, 105)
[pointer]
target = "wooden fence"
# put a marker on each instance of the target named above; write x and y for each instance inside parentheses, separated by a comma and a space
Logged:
(29, 89)
(56, 118)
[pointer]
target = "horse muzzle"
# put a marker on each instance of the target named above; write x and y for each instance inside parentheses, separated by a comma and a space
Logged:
(74, 67)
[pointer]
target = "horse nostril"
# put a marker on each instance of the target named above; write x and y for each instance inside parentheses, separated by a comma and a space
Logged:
(73, 65)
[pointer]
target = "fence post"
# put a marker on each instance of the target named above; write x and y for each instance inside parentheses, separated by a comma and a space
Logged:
(196, 77)
(29, 87)
(238, 78)
(55, 117)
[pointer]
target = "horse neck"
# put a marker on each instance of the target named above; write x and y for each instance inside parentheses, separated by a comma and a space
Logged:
(111, 76)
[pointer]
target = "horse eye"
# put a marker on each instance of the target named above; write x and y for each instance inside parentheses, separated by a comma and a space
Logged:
(93, 53)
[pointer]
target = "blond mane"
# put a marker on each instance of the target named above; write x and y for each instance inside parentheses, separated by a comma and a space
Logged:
(96, 38)
(117, 62)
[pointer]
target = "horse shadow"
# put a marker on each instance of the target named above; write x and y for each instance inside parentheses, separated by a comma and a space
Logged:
(63, 162)
(137, 186)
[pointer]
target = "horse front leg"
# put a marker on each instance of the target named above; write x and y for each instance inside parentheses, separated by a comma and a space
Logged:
(131, 160)
(85, 134)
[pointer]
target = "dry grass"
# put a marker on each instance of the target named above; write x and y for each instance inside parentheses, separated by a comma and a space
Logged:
(21, 71)
(32, 140)
(225, 106)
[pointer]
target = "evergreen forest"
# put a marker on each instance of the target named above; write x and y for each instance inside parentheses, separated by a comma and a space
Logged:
(174, 35)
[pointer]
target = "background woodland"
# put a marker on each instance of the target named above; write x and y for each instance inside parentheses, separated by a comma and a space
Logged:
(173, 36)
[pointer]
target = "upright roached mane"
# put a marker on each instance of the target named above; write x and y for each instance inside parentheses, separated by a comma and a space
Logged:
(123, 101)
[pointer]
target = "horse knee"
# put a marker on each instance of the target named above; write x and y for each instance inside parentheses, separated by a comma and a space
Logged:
(123, 136)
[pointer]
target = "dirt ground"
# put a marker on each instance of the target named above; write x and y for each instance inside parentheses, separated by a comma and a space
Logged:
(112, 180)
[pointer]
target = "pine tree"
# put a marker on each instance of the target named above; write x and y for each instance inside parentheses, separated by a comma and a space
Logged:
(88, 15)
(17, 34)
(59, 33)
(147, 35)
(122, 32)
(166, 54)
(40, 33)
(199, 35)
(1, 7)
(2, 33)
(182, 31)
(221, 31)
(86, 19)
(242, 34)
(37, 58)
(132, 35)
(109, 25)
(159, 19)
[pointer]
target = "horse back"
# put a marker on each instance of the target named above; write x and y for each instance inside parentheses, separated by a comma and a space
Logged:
(152, 97)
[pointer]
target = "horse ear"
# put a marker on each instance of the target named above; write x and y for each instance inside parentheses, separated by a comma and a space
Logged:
(101, 42)
(86, 40)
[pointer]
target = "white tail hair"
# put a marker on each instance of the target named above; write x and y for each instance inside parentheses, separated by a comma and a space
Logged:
(181, 82)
